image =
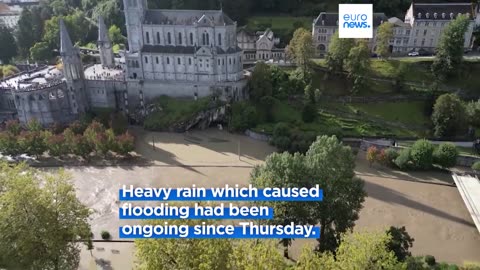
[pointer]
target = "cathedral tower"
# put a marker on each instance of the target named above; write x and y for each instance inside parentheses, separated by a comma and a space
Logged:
(134, 16)
(73, 72)
(104, 44)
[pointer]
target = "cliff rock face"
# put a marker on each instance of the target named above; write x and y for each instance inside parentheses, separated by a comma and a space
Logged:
(201, 121)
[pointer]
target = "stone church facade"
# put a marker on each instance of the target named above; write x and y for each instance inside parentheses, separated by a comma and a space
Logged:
(177, 53)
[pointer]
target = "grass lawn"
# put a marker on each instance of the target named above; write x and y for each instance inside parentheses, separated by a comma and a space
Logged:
(408, 113)
(171, 111)
(278, 22)
(331, 123)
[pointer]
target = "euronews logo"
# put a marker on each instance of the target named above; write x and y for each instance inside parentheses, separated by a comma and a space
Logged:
(355, 20)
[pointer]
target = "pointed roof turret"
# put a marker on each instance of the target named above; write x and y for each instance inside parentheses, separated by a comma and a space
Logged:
(102, 31)
(66, 45)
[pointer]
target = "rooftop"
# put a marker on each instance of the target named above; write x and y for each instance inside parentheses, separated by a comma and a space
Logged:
(331, 19)
(442, 11)
(187, 17)
(25, 81)
(101, 73)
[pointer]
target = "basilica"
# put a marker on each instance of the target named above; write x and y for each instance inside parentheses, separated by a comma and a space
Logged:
(178, 53)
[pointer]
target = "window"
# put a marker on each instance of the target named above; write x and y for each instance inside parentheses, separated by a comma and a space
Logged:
(423, 42)
(146, 60)
(415, 42)
(169, 38)
(230, 61)
(425, 32)
(179, 61)
(416, 32)
(168, 60)
(148, 37)
(219, 39)
(190, 61)
(180, 38)
(234, 61)
(408, 32)
(156, 60)
(191, 38)
(158, 38)
(219, 62)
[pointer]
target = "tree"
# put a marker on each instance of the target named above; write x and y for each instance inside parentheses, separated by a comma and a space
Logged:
(25, 35)
(329, 164)
(300, 48)
(472, 110)
(450, 48)
(338, 52)
(82, 147)
(40, 51)
(8, 46)
(260, 82)
(400, 242)
(448, 116)
(116, 35)
(249, 254)
(33, 143)
(366, 250)
(384, 35)
(39, 225)
(173, 254)
(446, 155)
(358, 64)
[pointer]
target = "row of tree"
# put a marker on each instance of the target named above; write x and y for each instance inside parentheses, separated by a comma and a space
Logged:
(78, 139)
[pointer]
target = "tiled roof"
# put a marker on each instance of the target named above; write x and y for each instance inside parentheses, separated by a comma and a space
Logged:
(187, 17)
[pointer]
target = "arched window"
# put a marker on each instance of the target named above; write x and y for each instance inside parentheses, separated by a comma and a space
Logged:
(204, 39)
(190, 61)
(168, 61)
(208, 39)
(219, 39)
(147, 37)
(156, 60)
(169, 37)
(191, 38)
(179, 61)
(180, 38)
(158, 38)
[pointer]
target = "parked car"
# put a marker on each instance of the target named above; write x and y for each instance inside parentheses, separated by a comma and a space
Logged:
(413, 54)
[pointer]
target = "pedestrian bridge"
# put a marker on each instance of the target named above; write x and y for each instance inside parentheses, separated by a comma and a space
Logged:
(469, 188)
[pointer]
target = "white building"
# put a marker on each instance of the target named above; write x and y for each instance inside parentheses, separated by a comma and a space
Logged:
(9, 15)
(183, 52)
(420, 31)
(326, 24)
(260, 45)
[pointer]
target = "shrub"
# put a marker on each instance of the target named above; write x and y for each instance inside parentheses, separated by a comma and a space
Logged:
(422, 154)
(125, 144)
(13, 127)
(430, 260)
(390, 156)
(9, 144)
(382, 158)
(446, 155)
(403, 159)
(77, 127)
(57, 128)
(119, 123)
(106, 235)
(476, 166)
(372, 153)
(243, 117)
(448, 116)
(82, 147)
(282, 143)
(309, 113)
(281, 129)
(33, 143)
(57, 145)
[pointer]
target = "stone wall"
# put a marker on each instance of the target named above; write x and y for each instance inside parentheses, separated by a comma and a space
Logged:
(258, 136)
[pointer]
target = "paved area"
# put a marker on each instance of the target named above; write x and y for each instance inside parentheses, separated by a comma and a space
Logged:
(469, 188)
(433, 212)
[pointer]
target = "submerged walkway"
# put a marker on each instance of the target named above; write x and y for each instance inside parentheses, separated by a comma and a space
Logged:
(469, 188)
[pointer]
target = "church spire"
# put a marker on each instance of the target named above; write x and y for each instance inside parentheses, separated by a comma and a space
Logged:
(102, 31)
(66, 45)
